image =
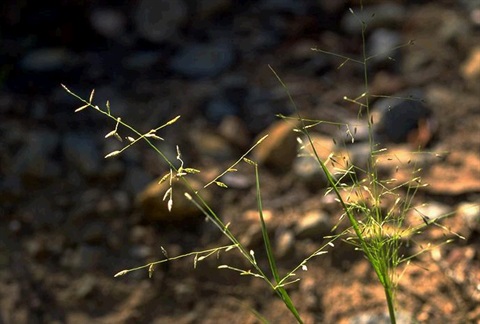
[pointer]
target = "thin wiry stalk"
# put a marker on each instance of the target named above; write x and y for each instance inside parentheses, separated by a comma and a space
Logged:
(271, 258)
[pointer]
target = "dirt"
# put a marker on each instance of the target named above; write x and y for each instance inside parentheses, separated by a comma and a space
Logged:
(39, 284)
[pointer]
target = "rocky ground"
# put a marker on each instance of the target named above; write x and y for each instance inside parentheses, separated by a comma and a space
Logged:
(70, 219)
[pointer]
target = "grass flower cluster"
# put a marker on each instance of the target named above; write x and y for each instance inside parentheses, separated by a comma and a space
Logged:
(377, 233)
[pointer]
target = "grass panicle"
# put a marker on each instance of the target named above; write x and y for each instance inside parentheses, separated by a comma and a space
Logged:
(377, 233)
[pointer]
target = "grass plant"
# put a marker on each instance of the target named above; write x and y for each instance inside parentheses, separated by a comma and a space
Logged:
(376, 233)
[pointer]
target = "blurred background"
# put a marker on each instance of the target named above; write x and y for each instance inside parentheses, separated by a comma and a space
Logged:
(70, 220)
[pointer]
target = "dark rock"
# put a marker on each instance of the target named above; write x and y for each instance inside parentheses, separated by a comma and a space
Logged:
(48, 60)
(160, 20)
(296, 7)
(220, 107)
(404, 118)
(85, 257)
(203, 60)
(94, 232)
(34, 158)
(141, 60)
(136, 180)
(82, 152)
(260, 108)
(210, 8)
(308, 171)
(108, 22)
(314, 225)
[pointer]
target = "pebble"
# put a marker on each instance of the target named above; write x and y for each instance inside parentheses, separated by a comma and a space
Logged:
(82, 152)
(381, 48)
(108, 22)
(36, 149)
(85, 205)
(203, 60)
(84, 257)
(470, 69)
(94, 232)
(11, 188)
(308, 171)
(383, 318)
(219, 108)
(252, 236)
(337, 160)
(48, 60)
(236, 180)
(160, 20)
(285, 244)
(314, 224)
(140, 251)
(36, 248)
(234, 130)
(470, 212)
(431, 211)
(212, 146)
(85, 286)
(141, 61)
(34, 158)
(122, 200)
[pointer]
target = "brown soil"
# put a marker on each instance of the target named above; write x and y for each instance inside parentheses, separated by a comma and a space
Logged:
(441, 285)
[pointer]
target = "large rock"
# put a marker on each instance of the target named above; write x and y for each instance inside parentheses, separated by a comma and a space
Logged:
(279, 149)
(404, 118)
(151, 201)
